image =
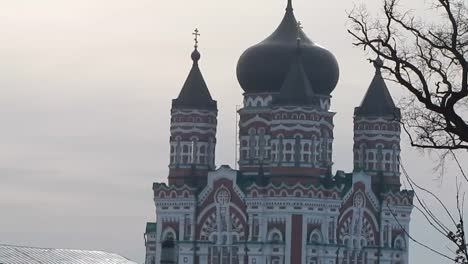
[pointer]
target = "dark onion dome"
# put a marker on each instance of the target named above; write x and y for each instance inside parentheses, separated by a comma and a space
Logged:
(195, 93)
(263, 67)
(378, 102)
(296, 89)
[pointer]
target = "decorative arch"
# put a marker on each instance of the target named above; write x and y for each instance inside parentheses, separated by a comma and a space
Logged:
(315, 237)
(368, 228)
(275, 236)
(168, 234)
(399, 243)
(283, 193)
(254, 194)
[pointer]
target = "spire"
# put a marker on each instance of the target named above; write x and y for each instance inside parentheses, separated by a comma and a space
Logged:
(378, 102)
(290, 6)
(287, 30)
(195, 93)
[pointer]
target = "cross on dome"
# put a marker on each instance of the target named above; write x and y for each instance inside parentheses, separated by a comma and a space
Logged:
(196, 33)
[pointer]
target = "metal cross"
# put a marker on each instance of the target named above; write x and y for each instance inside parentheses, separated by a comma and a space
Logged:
(196, 34)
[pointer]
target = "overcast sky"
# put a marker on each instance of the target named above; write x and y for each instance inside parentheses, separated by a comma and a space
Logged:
(86, 87)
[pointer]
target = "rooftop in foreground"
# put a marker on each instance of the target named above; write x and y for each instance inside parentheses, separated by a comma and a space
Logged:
(30, 255)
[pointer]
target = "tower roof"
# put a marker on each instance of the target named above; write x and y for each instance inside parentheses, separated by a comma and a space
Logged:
(377, 102)
(263, 67)
(296, 89)
(195, 93)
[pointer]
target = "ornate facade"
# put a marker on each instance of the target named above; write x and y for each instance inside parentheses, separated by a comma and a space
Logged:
(283, 205)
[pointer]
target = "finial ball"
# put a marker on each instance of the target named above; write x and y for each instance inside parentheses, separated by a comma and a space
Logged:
(196, 56)
(378, 63)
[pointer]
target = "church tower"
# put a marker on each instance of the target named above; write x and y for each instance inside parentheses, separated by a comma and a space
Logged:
(193, 129)
(377, 133)
(285, 125)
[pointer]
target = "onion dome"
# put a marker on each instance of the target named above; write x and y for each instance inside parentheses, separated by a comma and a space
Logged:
(195, 93)
(263, 67)
(377, 102)
(296, 89)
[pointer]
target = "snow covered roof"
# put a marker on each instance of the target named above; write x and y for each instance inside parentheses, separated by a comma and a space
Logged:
(29, 255)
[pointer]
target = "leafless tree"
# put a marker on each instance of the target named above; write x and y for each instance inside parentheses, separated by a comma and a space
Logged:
(429, 59)
(435, 212)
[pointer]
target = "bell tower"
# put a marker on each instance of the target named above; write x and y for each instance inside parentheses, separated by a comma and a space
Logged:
(193, 129)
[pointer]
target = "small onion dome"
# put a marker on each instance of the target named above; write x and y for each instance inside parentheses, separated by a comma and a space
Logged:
(196, 56)
(378, 63)
(263, 67)
(195, 93)
(378, 102)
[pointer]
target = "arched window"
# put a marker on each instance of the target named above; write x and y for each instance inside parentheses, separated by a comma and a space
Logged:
(399, 243)
(254, 194)
(168, 247)
(315, 237)
(275, 236)
(371, 155)
(387, 156)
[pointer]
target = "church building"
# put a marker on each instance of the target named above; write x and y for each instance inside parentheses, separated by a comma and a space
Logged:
(284, 205)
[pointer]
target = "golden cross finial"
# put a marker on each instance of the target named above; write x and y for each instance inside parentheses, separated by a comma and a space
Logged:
(196, 33)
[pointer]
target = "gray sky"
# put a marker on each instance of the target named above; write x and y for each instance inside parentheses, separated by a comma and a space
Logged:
(86, 87)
